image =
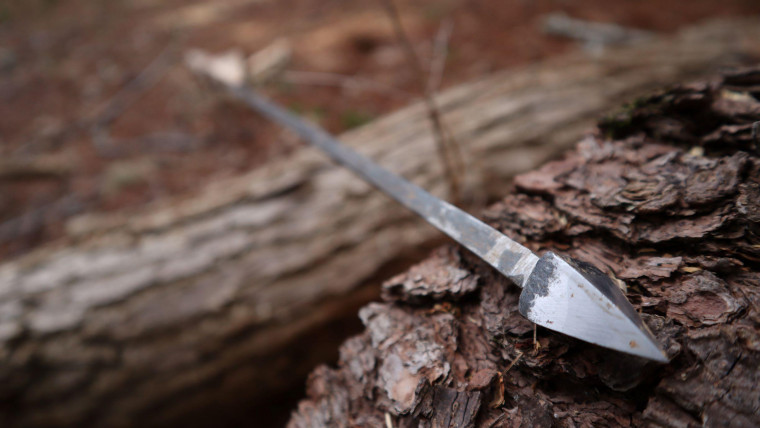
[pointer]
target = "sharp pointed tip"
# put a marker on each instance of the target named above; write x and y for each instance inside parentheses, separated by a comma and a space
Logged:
(659, 357)
(646, 346)
(662, 358)
(585, 304)
(658, 354)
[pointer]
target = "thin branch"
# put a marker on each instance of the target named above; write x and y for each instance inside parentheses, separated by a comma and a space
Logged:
(448, 148)
(130, 92)
(440, 52)
(127, 95)
(388, 420)
(519, 355)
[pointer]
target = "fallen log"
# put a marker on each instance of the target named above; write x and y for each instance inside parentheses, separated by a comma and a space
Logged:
(666, 199)
(204, 304)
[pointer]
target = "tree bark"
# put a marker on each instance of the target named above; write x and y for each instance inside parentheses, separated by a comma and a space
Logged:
(666, 199)
(180, 310)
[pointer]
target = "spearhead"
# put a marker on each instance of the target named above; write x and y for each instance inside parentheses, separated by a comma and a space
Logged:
(579, 300)
(569, 297)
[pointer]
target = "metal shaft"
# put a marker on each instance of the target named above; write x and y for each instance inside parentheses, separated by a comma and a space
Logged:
(506, 255)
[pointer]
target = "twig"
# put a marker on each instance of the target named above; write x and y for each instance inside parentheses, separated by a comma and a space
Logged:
(498, 399)
(519, 355)
(440, 52)
(437, 65)
(448, 148)
(127, 95)
(388, 420)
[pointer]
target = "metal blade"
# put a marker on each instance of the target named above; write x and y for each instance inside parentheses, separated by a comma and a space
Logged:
(579, 302)
(506, 255)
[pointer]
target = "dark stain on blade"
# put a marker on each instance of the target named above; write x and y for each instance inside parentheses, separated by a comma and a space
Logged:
(537, 284)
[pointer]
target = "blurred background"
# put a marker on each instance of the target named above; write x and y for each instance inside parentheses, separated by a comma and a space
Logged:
(63, 62)
(102, 118)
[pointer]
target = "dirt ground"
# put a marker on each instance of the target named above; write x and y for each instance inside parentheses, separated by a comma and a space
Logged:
(87, 124)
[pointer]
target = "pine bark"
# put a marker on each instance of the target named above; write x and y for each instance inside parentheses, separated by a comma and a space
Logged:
(665, 198)
(219, 301)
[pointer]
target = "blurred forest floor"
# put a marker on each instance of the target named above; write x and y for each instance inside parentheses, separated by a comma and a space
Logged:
(66, 66)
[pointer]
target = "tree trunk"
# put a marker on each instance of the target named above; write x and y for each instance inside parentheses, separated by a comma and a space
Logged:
(207, 302)
(666, 199)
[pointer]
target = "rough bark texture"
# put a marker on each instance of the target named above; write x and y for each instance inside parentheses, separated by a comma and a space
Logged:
(195, 304)
(665, 198)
